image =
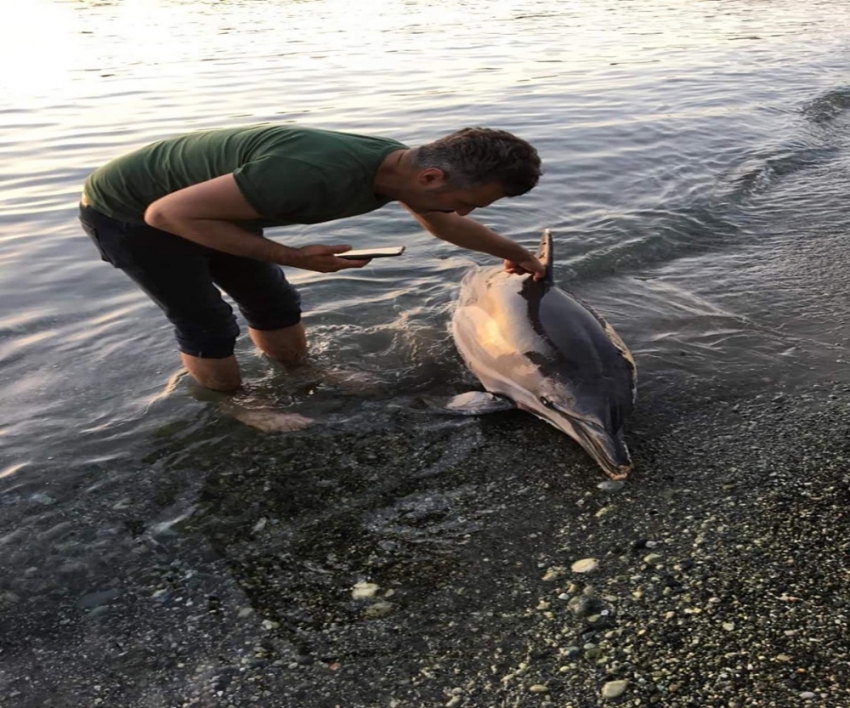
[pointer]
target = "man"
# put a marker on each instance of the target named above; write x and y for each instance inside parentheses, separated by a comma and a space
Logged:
(184, 217)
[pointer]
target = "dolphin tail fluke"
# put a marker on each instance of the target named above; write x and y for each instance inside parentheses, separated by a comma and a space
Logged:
(546, 256)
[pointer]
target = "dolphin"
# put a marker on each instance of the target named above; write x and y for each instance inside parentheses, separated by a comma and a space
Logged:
(536, 347)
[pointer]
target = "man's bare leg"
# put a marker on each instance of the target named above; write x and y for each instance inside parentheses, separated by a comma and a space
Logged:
(216, 374)
(287, 345)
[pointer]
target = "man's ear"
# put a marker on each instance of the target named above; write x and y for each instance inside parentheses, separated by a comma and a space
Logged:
(432, 176)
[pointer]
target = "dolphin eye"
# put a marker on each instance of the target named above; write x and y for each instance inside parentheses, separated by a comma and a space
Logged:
(546, 402)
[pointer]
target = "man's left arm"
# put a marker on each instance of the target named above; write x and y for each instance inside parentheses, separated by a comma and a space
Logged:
(468, 233)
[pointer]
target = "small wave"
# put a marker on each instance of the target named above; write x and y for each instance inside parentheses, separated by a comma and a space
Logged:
(758, 174)
(658, 236)
(712, 219)
(826, 108)
(812, 148)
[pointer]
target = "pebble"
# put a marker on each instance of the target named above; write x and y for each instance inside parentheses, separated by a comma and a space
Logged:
(556, 571)
(246, 611)
(611, 486)
(652, 559)
(42, 498)
(364, 591)
(614, 689)
(538, 688)
(581, 606)
(379, 609)
(96, 599)
(9, 598)
(585, 565)
(807, 695)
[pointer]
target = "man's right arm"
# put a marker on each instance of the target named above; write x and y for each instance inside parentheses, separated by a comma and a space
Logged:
(205, 213)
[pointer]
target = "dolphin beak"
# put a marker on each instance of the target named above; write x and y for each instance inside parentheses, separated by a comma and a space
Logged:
(610, 452)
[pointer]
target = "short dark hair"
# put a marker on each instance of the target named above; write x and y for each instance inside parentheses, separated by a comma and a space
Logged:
(475, 156)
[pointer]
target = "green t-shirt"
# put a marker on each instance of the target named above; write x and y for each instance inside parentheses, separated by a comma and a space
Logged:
(289, 174)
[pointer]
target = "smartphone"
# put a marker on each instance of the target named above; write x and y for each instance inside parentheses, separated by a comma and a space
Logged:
(365, 253)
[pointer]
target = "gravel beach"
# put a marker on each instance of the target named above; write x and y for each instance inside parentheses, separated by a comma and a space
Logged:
(440, 568)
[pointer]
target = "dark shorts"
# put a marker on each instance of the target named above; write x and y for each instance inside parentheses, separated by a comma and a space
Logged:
(184, 278)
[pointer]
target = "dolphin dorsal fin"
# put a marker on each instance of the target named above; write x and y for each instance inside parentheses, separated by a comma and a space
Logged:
(546, 256)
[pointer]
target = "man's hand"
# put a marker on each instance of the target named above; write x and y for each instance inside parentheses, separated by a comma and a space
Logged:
(322, 259)
(528, 265)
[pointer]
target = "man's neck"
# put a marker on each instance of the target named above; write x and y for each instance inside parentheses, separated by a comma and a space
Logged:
(394, 174)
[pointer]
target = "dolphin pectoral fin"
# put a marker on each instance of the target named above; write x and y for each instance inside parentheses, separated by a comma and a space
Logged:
(471, 403)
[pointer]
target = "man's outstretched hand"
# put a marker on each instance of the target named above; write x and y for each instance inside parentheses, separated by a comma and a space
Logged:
(529, 265)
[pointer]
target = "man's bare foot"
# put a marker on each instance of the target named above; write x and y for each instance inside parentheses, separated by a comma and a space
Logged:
(349, 381)
(353, 380)
(269, 420)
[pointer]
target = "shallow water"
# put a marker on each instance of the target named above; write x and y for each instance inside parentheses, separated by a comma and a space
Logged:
(697, 162)
(690, 154)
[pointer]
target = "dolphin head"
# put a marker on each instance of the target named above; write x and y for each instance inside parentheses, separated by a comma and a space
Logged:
(554, 402)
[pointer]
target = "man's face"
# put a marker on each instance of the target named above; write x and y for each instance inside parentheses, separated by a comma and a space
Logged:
(434, 194)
